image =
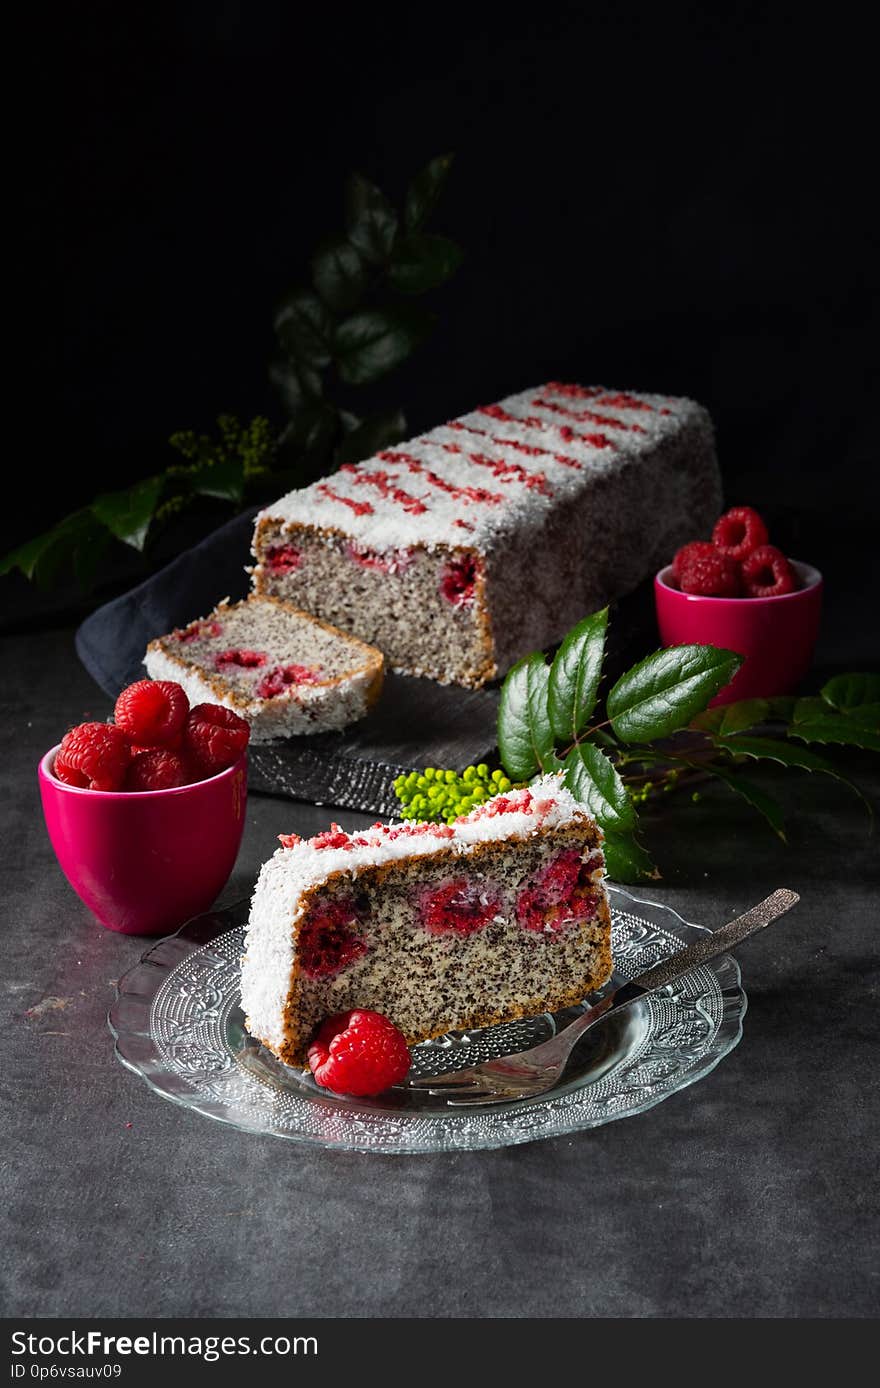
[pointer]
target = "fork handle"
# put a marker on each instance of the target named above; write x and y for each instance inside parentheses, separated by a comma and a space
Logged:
(719, 942)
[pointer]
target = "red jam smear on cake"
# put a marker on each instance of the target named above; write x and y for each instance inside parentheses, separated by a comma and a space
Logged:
(393, 562)
(283, 559)
(243, 660)
(460, 907)
(327, 944)
(559, 895)
(197, 629)
(282, 677)
(458, 581)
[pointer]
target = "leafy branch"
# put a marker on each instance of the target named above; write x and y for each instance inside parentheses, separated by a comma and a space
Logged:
(656, 734)
(355, 321)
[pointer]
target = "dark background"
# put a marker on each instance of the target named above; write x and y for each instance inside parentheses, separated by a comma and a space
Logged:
(657, 199)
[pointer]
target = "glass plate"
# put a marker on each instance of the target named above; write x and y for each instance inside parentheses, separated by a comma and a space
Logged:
(178, 1022)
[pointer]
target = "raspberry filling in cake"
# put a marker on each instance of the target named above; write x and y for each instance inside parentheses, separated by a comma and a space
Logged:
(438, 927)
(281, 669)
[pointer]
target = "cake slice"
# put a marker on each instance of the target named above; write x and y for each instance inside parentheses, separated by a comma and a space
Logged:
(279, 668)
(489, 536)
(502, 915)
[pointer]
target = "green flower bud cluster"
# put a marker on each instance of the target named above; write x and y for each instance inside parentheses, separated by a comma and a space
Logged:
(441, 796)
(639, 794)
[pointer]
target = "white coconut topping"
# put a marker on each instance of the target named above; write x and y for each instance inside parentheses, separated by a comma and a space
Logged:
(277, 901)
(490, 473)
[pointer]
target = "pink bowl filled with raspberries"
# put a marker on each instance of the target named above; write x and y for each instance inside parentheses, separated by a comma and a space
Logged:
(740, 592)
(146, 814)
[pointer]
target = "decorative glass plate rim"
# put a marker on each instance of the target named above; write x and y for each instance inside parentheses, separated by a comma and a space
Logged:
(558, 1113)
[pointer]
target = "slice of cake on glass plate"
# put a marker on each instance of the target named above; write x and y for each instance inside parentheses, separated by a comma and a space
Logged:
(282, 670)
(441, 928)
(488, 537)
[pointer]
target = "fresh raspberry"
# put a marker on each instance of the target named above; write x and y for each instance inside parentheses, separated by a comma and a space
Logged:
(697, 549)
(280, 678)
(152, 712)
(214, 737)
(559, 894)
(93, 756)
(156, 769)
(712, 576)
(458, 581)
(326, 943)
(767, 573)
(245, 660)
(738, 532)
(359, 1053)
(460, 907)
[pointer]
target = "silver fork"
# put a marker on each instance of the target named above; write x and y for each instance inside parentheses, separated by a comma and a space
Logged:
(529, 1073)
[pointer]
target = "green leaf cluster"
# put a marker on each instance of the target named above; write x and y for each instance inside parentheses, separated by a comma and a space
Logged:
(654, 736)
(355, 321)
(358, 319)
(218, 467)
(546, 722)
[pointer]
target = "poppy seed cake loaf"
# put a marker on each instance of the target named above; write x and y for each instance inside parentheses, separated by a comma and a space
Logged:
(440, 928)
(279, 668)
(489, 536)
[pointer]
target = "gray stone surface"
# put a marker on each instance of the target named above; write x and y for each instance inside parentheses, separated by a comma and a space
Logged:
(752, 1193)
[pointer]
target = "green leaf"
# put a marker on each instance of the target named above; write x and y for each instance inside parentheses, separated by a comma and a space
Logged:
(77, 542)
(223, 479)
(27, 556)
(837, 728)
(423, 262)
(665, 690)
(752, 794)
(425, 189)
(575, 675)
(304, 327)
(732, 718)
(786, 754)
(849, 693)
(525, 737)
(805, 710)
(867, 716)
(781, 707)
(770, 749)
(369, 344)
(311, 430)
(338, 274)
(370, 219)
(626, 860)
(127, 514)
(592, 778)
(294, 382)
(371, 436)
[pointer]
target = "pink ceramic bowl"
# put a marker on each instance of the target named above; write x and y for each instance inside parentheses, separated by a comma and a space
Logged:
(145, 861)
(776, 635)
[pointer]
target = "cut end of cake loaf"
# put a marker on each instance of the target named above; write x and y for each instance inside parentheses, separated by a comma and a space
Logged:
(489, 536)
(502, 915)
(283, 670)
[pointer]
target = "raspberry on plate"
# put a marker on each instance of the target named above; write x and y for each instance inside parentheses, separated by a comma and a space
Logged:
(739, 531)
(156, 769)
(152, 712)
(767, 573)
(214, 737)
(93, 756)
(359, 1053)
(712, 576)
(697, 549)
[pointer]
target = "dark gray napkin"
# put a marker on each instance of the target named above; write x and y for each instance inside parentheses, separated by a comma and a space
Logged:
(112, 641)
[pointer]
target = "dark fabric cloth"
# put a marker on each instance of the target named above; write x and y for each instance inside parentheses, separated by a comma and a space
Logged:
(112, 641)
